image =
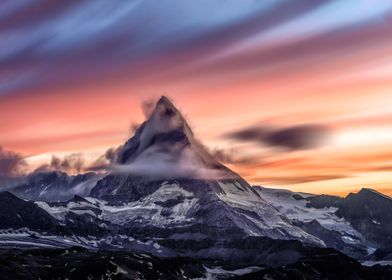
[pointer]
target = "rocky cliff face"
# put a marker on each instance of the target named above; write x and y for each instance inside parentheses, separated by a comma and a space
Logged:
(370, 213)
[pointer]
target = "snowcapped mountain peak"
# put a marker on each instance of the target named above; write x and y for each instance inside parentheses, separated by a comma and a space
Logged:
(166, 127)
(166, 117)
(165, 103)
(367, 192)
(164, 146)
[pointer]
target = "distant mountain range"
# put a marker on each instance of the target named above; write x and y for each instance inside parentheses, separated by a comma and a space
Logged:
(167, 197)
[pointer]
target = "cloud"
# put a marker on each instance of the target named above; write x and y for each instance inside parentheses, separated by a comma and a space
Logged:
(71, 164)
(233, 156)
(224, 156)
(300, 137)
(11, 163)
(165, 148)
(104, 162)
(155, 164)
(76, 163)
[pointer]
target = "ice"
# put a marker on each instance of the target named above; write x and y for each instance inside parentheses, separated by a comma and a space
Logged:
(296, 210)
(268, 220)
(149, 207)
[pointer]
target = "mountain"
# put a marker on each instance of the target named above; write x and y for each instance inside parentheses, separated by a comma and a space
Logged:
(54, 186)
(369, 212)
(358, 224)
(163, 148)
(289, 259)
(16, 213)
(174, 189)
(26, 223)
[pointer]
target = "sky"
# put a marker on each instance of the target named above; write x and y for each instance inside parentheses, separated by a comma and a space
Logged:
(290, 94)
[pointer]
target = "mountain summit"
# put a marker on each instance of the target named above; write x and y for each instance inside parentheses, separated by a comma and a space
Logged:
(165, 127)
(164, 146)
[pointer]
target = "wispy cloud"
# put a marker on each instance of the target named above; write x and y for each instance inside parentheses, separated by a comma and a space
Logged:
(101, 39)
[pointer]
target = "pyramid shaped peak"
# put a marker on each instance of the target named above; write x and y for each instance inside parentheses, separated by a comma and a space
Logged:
(164, 100)
(369, 191)
(8, 195)
(164, 129)
(166, 109)
(166, 117)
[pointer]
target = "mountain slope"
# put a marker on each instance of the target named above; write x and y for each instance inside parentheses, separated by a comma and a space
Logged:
(356, 225)
(16, 213)
(54, 186)
(369, 212)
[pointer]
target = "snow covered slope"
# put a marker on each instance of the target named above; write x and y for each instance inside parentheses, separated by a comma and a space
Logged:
(54, 186)
(322, 216)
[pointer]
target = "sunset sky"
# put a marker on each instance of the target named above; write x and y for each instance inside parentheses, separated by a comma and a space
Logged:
(73, 76)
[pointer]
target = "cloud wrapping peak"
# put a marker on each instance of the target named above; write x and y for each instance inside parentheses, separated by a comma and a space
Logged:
(158, 165)
(164, 147)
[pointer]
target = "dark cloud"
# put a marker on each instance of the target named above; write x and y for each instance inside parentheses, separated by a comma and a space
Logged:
(232, 156)
(297, 137)
(300, 137)
(11, 163)
(223, 156)
(104, 162)
(248, 134)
